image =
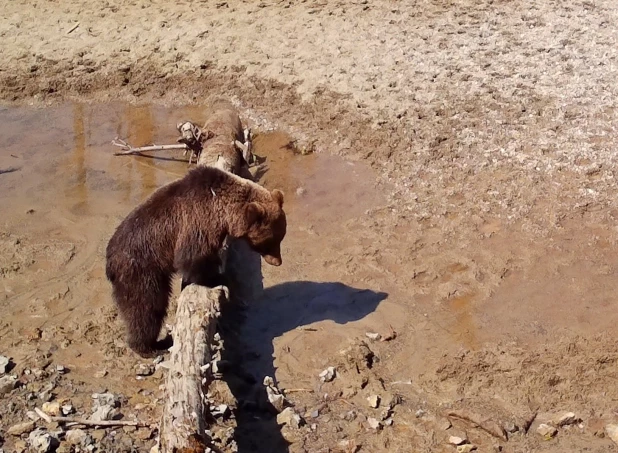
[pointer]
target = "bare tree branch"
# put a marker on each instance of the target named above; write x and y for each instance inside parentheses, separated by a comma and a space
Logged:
(128, 149)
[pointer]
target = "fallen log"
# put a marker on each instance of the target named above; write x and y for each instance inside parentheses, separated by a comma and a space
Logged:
(183, 425)
(225, 144)
(184, 421)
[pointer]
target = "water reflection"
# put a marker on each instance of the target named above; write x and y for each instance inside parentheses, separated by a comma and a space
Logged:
(79, 189)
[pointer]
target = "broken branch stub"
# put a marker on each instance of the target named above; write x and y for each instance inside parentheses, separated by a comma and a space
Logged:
(183, 425)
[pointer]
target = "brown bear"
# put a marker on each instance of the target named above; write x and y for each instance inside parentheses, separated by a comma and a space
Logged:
(180, 229)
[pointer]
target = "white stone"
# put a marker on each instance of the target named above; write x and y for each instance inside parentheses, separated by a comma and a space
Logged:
(546, 430)
(373, 336)
(102, 413)
(51, 408)
(41, 441)
(374, 401)
(289, 417)
(373, 423)
(328, 374)
(67, 409)
(4, 364)
(456, 440)
(568, 418)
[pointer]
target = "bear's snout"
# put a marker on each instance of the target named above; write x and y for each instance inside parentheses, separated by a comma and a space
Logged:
(273, 260)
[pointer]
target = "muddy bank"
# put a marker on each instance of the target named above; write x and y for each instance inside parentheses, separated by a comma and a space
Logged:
(352, 267)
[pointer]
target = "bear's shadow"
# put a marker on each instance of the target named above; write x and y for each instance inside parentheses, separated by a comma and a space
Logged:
(248, 333)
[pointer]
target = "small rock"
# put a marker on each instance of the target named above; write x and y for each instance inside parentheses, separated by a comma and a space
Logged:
(373, 423)
(67, 409)
(374, 401)
(144, 433)
(102, 413)
(52, 408)
(388, 422)
(4, 364)
(315, 414)
(21, 428)
(105, 399)
(612, 432)
(419, 413)
(349, 416)
(277, 400)
(457, 440)
(274, 394)
(32, 416)
(100, 374)
(547, 431)
(289, 417)
(7, 384)
(386, 413)
(98, 435)
(221, 410)
(373, 336)
(78, 437)
(45, 396)
(445, 424)
(511, 427)
(42, 441)
(300, 191)
(466, 448)
(60, 369)
(144, 369)
(328, 374)
(568, 418)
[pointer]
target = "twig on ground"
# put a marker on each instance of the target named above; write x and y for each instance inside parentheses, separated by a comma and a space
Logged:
(86, 422)
(489, 426)
(297, 390)
(73, 28)
(128, 149)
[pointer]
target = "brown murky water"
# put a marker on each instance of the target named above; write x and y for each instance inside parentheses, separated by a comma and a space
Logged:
(62, 192)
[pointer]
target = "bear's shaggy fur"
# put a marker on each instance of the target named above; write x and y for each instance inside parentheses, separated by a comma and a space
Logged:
(180, 228)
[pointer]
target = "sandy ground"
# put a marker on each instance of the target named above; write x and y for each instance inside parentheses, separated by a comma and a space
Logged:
(462, 194)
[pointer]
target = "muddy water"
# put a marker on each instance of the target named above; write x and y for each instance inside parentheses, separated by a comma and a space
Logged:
(62, 193)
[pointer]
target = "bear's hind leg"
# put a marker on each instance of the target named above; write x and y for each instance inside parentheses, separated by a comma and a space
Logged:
(143, 311)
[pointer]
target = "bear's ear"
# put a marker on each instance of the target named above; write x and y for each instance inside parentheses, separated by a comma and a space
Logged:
(239, 225)
(278, 197)
(253, 213)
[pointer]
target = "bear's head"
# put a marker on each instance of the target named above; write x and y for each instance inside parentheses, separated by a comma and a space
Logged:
(265, 227)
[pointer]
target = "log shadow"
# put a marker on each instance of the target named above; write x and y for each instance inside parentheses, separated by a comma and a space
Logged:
(248, 333)
(9, 170)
